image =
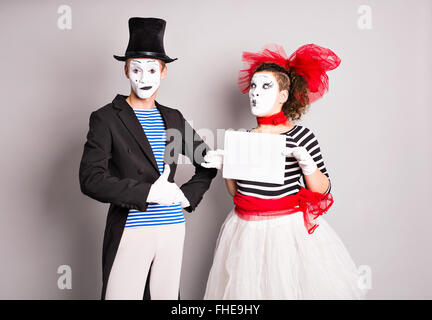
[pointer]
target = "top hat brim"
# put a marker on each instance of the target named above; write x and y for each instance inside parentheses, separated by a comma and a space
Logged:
(145, 54)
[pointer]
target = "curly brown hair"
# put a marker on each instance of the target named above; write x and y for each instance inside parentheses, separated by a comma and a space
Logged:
(298, 101)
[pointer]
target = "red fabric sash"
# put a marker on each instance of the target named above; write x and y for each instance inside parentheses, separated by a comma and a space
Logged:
(274, 119)
(312, 204)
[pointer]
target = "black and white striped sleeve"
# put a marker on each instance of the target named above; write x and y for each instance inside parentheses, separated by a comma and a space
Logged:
(310, 142)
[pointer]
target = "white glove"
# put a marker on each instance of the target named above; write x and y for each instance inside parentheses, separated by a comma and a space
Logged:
(166, 193)
(213, 159)
(305, 160)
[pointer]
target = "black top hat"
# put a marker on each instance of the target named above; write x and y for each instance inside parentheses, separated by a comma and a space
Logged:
(146, 40)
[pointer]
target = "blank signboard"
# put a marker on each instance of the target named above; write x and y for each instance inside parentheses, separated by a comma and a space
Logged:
(254, 156)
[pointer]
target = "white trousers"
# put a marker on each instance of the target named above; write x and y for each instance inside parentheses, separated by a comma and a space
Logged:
(138, 248)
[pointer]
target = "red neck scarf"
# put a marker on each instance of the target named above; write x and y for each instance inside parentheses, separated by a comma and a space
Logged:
(274, 119)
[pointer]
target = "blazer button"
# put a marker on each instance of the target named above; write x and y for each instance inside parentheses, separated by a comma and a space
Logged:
(129, 150)
(140, 171)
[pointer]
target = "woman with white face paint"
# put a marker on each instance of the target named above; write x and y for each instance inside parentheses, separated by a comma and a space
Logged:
(269, 246)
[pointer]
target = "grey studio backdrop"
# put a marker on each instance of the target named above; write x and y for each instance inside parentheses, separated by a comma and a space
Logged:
(373, 126)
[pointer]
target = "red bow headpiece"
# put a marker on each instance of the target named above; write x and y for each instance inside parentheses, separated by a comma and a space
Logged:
(309, 61)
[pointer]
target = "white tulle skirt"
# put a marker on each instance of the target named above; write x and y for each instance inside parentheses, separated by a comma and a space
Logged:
(278, 259)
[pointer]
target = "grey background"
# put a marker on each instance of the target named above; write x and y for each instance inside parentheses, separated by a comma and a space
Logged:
(373, 127)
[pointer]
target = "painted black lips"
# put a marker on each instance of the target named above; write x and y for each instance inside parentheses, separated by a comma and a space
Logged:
(146, 88)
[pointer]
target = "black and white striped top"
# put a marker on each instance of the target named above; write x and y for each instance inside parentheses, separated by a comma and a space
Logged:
(298, 136)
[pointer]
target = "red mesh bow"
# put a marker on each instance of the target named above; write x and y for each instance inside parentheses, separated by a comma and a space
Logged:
(313, 205)
(309, 61)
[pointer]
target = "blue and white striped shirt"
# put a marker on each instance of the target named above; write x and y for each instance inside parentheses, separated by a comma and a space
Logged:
(153, 126)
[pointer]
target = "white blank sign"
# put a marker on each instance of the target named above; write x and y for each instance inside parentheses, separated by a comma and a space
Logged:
(254, 156)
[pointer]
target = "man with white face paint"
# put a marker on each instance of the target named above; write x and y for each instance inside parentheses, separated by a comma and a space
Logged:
(126, 163)
(144, 76)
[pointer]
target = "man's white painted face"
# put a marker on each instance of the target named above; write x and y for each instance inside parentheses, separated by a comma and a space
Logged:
(144, 76)
(262, 93)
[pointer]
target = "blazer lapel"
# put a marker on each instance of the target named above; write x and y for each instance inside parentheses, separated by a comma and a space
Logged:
(128, 117)
(169, 122)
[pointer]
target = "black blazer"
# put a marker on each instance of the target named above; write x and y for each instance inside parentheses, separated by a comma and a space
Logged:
(118, 167)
